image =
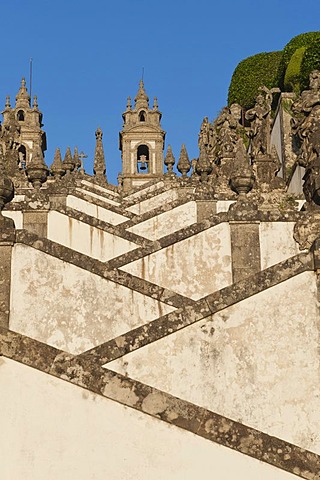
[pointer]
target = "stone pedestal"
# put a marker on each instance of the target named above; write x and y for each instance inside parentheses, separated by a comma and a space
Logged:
(7, 238)
(36, 222)
(245, 248)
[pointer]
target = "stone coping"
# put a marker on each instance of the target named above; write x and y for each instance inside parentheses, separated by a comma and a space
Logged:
(163, 406)
(101, 269)
(205, 307)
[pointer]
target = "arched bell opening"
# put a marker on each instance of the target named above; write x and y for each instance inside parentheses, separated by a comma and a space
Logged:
(20, 116)
(22, 157)
(143, 159)
(142, 116)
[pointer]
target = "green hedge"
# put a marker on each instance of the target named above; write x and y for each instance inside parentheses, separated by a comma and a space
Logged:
(292, 77)
(302, 40)
(310, 62)
(252, 73)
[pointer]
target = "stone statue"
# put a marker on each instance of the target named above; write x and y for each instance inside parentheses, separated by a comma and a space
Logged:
(306, 123)
(260, 122)
(228, 130)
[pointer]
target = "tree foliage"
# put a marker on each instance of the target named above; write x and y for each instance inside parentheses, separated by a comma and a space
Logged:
(252, 73)
(292, 76)
(310, 62)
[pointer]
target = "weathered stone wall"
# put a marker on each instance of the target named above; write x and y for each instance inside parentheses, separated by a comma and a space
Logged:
(168, 222)
(71, 308)
(183, 268)
(256, 362)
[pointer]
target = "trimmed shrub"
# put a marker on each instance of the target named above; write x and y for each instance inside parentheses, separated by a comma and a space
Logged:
(252, 73)
(292, 76)
(310, 62)
(302, 40)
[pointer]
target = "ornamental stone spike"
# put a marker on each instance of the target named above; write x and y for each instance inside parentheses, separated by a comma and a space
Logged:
(203, 166)
(76, 159)
(169, 161)
(68, 163)
(57, 166)
(99, 165)
(242, 179)
(184, 164)
(37, 170)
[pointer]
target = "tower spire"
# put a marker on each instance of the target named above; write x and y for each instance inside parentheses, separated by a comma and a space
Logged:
(23, 97)
(141, 99)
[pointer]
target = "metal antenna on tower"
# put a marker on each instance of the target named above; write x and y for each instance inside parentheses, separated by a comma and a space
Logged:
(30, 77)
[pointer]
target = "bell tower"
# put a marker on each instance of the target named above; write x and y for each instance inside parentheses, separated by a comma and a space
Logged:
(21, 128)
(141, 141)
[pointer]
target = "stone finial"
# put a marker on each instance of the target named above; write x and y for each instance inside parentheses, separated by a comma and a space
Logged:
(155, 103)
(6, 185)
(169, 161)
(57, 166)
(37, 170)
(129, 103)
(242, 179)
(68, 163)
(35, 102)
(203, 166)
(7, 104)
(76, 159)
(184, 164)
(141, 99)
(99, 165)
(22, 97)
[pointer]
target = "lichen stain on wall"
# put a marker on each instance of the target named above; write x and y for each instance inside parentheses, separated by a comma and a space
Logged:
(183, 268)
(71, 308)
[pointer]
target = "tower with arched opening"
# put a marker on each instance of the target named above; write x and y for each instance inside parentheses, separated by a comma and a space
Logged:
(141, 141)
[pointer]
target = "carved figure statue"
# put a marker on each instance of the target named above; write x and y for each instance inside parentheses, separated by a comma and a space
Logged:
(306, 123)
(228, 130)
(260, 122)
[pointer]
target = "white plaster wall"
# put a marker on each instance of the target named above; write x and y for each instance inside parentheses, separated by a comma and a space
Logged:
(70, 308)
(95, 211)
(276, 242)
(52, 429)
(224, 205)
(296, 182)
(16, 216)
(104, 199)
(154, 202)
(168, 222)
(184, 268)
(151, 188)
(86, 239)
(256, 362)
(101, 189)
(276, 140)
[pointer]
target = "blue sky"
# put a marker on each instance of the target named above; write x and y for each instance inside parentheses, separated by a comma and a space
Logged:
(88, 57)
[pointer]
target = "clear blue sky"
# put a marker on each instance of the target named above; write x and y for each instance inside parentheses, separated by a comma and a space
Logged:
(88, 57)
